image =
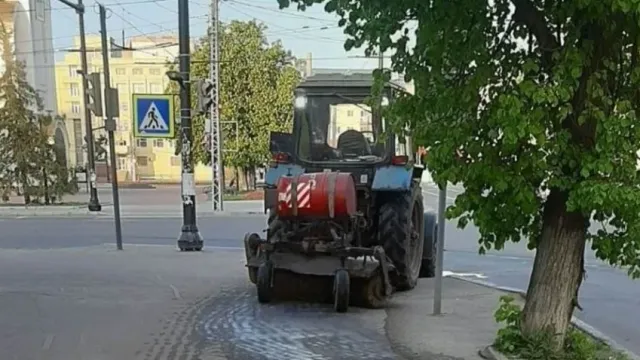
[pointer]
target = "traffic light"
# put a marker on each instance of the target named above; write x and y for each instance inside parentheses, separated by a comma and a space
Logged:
(204, 89)
(95, 94)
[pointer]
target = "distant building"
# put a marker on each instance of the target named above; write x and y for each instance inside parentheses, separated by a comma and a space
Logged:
(132, 72)
(30, 23)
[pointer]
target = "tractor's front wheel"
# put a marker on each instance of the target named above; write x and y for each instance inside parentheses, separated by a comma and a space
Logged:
(401, 232)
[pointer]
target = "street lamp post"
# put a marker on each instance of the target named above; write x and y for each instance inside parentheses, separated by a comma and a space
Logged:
(94, 203)
(190, 238)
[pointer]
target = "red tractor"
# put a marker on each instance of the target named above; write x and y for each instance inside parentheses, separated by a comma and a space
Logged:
(344, 204)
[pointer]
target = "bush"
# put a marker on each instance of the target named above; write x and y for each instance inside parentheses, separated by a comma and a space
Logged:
(511, 342)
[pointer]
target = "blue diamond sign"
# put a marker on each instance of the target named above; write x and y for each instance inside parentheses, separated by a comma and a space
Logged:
(153, 116)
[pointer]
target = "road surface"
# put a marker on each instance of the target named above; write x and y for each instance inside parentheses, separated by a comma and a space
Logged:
(609, 298)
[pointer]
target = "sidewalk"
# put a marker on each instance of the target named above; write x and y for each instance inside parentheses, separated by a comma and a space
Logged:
(245, 207)
(465, 327)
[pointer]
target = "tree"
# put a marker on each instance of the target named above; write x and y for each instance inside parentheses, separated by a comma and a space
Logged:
(534, 95)
(256, 93)
(28, 159)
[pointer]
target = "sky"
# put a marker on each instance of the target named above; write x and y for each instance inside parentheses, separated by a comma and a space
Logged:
(312, 31)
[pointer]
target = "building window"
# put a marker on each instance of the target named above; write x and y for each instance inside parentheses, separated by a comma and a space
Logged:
(155, 71)
(116, 52)
(141, 143)
(142, 160)
(158, 143)
(156, 89)
(137, 71)
(122, 142)
(120, 71)
(175, 161)
(349, 113)
(122, 163)
(122, 88)
(75, 107)
(77, 137)
(74, 90)
(73, 71)
(139, 88)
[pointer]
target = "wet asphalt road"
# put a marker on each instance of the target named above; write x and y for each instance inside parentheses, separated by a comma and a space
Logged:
(610, 299)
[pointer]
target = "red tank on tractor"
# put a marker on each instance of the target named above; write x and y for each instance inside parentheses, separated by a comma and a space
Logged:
(344, 206)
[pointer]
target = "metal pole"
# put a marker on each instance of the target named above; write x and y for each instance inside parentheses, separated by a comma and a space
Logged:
(94, 203)
(110, 126)
(190, 239)
(217, 167)
(437, 292)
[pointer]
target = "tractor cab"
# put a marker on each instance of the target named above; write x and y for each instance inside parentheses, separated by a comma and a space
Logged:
(333, 127)
(335, 130)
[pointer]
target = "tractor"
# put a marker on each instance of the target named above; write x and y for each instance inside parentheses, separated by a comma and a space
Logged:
(344, 200)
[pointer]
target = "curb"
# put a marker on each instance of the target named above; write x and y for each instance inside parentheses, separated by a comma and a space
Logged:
(124, 215)
(490, 353)
(579, 324)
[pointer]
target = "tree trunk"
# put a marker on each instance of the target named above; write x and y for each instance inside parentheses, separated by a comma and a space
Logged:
(47, 199)
(557, 272)
(251, 185)
(26, 192)
(237, 179)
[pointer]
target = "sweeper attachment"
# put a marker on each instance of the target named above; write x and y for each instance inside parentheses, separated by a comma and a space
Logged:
(315, 230)
(346, 217)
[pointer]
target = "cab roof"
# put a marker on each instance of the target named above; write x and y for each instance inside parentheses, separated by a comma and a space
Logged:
(341, 80)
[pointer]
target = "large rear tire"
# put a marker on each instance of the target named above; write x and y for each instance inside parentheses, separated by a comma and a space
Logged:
(250, 251)
(273, 224)
(428, 268)
(401, 233)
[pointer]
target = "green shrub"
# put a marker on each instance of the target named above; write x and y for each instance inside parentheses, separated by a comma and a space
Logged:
(511, 342)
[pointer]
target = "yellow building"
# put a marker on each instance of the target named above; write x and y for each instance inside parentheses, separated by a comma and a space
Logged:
(141, 71)
(348, 117)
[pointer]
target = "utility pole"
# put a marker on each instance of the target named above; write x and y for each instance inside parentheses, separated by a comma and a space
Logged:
(94, 203)
(437, 291)
(112, 109)
(190, 238)
(217, 167)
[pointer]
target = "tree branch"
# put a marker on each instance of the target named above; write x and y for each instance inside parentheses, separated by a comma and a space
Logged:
(528, 15)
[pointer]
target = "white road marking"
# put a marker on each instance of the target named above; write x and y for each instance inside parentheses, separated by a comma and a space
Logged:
(176, 293)
(48, 341)
(475, 275)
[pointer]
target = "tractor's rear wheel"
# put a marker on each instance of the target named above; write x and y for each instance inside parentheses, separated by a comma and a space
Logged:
(251, 251)
(369, 292)
(428, 268)
(273, 224)
(401, 233)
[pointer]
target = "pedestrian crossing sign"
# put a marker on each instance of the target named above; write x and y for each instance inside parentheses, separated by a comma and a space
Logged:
(153, 116)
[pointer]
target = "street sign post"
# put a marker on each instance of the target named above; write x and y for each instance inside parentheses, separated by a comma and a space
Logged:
(153, 116)
(442, 207)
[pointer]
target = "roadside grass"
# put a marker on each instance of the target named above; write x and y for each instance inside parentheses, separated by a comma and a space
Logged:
(244, 195)
(511, 342)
